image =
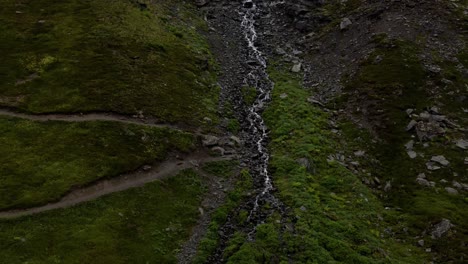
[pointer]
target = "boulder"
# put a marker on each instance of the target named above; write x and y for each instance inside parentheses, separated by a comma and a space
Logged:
(441, 160)
(345, 23)
(441, 228)
(461, 143)
(209, 141)
(451, 191)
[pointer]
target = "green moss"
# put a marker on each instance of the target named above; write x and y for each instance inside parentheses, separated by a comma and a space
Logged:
(41, 161)
(135, 226)
(249, 94)
(221, 168)
(106, 56)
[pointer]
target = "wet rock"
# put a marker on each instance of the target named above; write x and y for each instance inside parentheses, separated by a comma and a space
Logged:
(461, 143)
(451, 191)
(441, 160)
(248, 4)
(209, 141)
(441, 228)
(345, 23)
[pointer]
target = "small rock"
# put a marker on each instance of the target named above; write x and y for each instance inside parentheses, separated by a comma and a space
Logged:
(359, 153)
(345, 23)
(411, 125)
(457, 185)
(434, 110)
(297, 67)
(146, 167)
(451, 191)
(236, 140)
(409, 145)
(388, 186)
(303, 208)
(202, 212)
(431, 166)
(461, 143)
(409, 111)
(280, 51)
(421, 243)
(441, 160)
(412, 154)
(466, 161)
(423, 182)
(441, 228)
(209, 141)
(425, 116)
(218, 150)
(422, 176)
(207, 120)
(284, 96)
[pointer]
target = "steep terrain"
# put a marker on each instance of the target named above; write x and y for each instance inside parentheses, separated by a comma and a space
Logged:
(348, 119)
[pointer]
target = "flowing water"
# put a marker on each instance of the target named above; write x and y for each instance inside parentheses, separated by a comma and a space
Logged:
(257, 78)
(256, 136)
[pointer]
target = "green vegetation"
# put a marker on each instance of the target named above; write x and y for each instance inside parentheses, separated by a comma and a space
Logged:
(141, 225)
(222, 169)
(334, 218)
(210, 242)
(97, 55)
(41, 161)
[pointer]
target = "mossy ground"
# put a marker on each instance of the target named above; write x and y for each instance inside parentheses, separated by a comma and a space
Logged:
(120, 56)
(41, 161)
(141, 225)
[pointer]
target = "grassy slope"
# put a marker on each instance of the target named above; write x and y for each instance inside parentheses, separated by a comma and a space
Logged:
(142, 225)
(42, 161)
(394, 86)
(98, 55)
(340, 220)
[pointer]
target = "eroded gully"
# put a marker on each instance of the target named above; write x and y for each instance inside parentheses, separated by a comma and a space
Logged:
(255, 132)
